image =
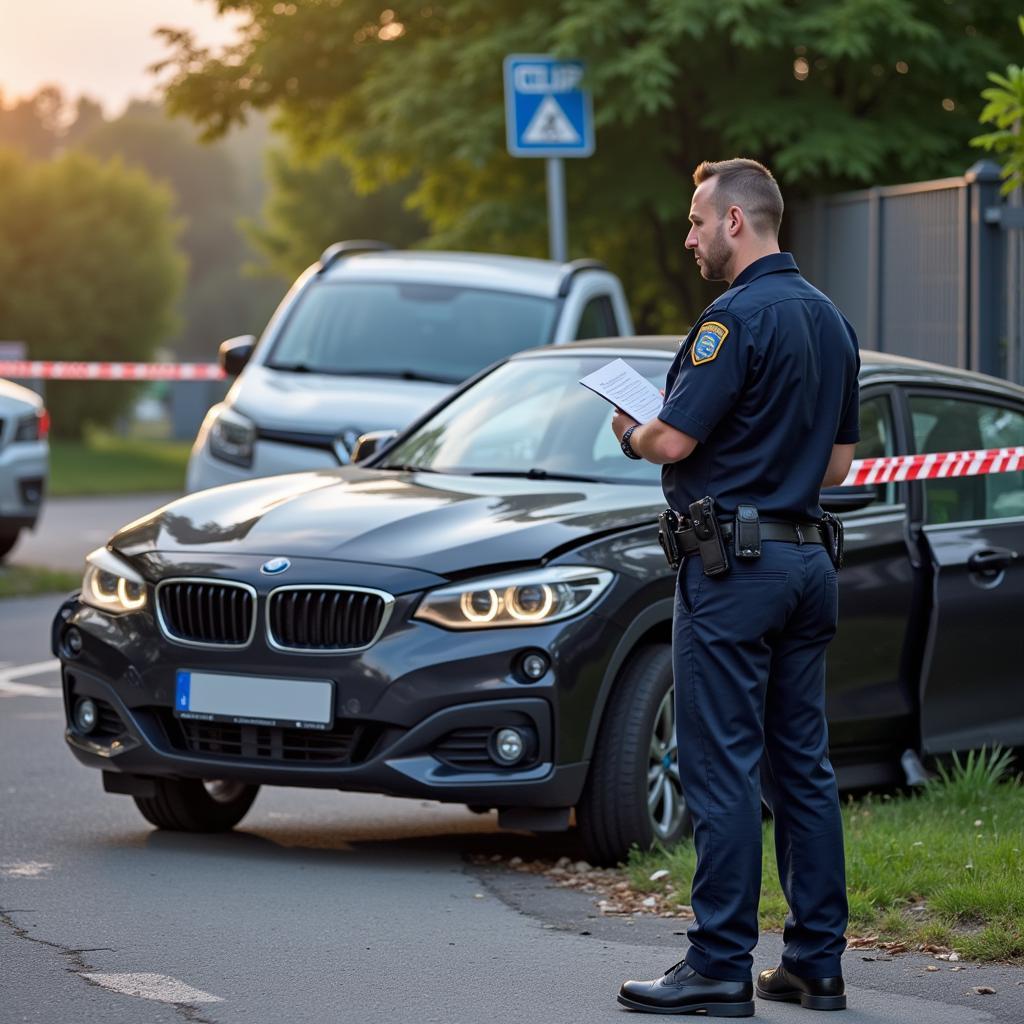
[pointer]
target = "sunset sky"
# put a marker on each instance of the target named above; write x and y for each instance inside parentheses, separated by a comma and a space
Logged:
(98, 47)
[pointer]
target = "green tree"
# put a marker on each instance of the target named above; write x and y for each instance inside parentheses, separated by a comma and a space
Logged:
(33, 125)
(1005, 111)
(209, 201)
(312, 203)
(830, 93)
(90, 270)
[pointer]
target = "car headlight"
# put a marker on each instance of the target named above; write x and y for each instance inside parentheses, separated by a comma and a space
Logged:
(112, 584)
(523, 598)
(232, 436)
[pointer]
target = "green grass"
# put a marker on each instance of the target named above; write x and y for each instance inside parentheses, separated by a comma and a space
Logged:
(108, 464)
(943, 867)
(22, 580)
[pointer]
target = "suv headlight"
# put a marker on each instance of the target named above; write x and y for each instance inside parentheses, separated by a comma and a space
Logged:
(112, 584)
(526, 598)
(232, 436)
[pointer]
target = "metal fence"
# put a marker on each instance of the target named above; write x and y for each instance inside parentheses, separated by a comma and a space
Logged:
(928, 270)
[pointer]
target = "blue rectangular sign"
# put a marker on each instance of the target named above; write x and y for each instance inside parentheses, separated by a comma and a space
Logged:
(546, 112)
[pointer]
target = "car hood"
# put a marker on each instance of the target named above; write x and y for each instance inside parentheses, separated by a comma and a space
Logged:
(328, 404)
(445, 524)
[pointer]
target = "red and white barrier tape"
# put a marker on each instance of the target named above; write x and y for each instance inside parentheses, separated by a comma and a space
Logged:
(48, 369)
(935, 466)
(863, 471)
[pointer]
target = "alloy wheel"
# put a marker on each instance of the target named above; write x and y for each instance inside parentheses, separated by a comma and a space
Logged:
(665, 802)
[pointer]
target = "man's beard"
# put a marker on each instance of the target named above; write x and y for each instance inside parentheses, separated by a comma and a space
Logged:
(714, 262)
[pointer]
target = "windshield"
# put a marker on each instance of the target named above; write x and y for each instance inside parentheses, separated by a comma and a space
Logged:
(530, 414)
(431, 331)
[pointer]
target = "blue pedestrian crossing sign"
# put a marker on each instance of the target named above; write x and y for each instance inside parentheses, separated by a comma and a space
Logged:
(546, 112)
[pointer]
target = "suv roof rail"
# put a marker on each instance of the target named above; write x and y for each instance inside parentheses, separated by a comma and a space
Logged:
(350, 247)
(571, 269)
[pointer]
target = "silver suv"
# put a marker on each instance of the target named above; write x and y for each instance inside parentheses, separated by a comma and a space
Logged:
(24, 460)
(368, 338)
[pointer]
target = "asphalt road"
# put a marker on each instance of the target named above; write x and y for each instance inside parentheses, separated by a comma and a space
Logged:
(69, 528)
(324, 907)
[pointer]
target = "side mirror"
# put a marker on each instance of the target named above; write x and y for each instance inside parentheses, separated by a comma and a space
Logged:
(234, 353)
(370, 443)
(848, 499)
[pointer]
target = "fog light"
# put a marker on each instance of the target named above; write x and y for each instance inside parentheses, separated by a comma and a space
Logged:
(86, 715)
(72, 643)
(509, 746)
(534, 666)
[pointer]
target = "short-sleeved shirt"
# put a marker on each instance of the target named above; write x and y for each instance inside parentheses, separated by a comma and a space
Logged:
(766, 381)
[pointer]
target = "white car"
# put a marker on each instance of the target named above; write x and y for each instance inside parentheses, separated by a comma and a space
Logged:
(369, 338)
(24, 461)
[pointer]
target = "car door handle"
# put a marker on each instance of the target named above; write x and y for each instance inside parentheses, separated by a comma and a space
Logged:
(992, 560)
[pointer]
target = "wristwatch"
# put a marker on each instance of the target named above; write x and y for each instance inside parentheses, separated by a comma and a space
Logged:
(627, 448)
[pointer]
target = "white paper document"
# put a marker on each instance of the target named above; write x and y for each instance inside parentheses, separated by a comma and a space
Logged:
(617, 382)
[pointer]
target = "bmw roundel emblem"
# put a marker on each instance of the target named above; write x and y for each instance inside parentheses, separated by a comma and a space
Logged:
(275, 566)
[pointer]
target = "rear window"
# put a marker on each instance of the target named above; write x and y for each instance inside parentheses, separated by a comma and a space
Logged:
(433, 330)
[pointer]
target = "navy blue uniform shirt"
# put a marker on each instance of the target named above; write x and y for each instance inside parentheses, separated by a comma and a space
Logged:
(766, 381)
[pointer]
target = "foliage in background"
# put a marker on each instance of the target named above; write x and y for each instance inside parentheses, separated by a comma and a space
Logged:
(312, 203)
(944, 867)
(831, 93)
(211, 195)
(213, 188)
(90, 270)
(1005, 111)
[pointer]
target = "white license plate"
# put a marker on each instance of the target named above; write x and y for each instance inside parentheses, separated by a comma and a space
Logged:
(254, 700)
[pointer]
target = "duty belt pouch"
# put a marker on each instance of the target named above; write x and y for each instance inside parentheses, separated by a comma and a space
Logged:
(710, 545)
(832, 527)
(747, 532)
(668, 525)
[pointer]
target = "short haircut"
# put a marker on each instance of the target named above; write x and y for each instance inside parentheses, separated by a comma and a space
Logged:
(748, 185)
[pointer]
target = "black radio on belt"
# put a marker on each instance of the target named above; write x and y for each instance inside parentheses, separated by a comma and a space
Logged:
(710, 545)
(747, 532)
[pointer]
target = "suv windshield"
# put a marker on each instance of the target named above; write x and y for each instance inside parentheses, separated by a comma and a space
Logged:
(530, 416)
(426, 331)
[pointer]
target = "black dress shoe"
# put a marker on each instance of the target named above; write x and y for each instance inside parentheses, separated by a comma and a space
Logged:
(682, 990)
(812, 993)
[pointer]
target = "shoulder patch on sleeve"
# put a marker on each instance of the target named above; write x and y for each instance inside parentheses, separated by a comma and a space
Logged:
(710, 336)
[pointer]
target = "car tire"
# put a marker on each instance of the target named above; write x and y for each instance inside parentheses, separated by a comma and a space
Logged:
(616, 812)
(194, 805)
(8, 538)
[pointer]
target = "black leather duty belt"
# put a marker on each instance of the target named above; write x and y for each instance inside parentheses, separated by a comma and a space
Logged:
(794, 533)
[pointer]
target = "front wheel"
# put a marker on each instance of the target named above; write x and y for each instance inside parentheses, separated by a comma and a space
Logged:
(194, 805)
(633, 795)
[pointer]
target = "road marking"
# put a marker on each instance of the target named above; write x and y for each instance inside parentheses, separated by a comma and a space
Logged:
(35, 668)
(9, 688)
(161, 987)
(27, 869)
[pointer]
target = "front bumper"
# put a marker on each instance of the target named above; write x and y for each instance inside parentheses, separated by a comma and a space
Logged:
(23, 475)
(413, 712)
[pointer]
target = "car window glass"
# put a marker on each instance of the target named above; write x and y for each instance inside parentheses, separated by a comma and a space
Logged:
(530, 414)
(429, 329)
(597, 319)
(876, 440)
(946, 424)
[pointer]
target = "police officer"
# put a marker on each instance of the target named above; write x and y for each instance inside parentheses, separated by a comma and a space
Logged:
(761, 411)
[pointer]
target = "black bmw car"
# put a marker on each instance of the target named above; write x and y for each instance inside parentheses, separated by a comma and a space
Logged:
(479, 612)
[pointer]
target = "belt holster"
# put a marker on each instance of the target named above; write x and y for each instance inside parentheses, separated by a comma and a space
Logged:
(832, 530)
(668, 537)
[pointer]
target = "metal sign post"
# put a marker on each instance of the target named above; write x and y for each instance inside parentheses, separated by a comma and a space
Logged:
(548, 115)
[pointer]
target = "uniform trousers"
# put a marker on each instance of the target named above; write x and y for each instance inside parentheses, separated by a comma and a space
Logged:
(749, 662)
